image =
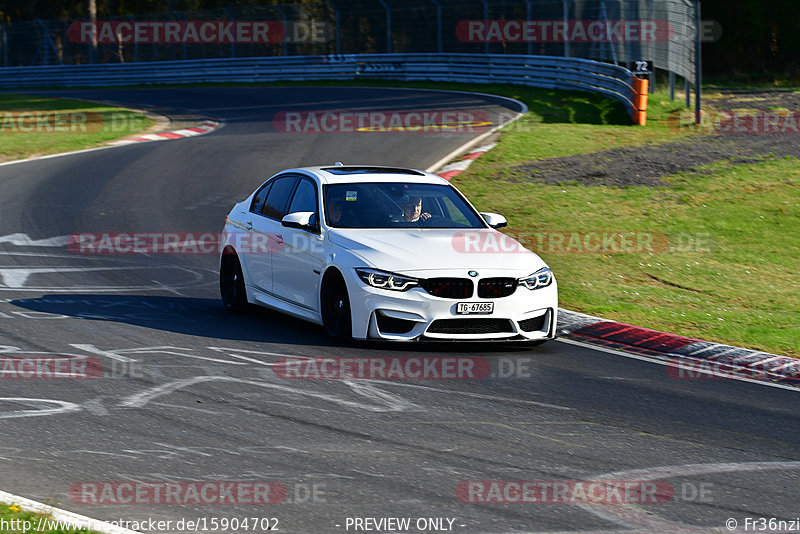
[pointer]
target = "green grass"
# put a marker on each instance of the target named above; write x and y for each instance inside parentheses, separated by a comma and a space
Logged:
(60, 125)
(729, 275)
(12, 515)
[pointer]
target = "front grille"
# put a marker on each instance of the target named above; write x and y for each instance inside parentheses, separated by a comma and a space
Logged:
(448, 288)
(470, 326)
(495, 288)
(393, 325)
(533, 324)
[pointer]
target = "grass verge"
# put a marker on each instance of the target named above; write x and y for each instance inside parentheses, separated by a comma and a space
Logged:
(33, 125)
(14, 520)
(723, 260)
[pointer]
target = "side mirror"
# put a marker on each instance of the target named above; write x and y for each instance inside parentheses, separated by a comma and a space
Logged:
(495, 220)
(303, 220)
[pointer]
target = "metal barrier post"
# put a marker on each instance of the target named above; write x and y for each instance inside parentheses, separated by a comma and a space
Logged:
(439, 25)
(698, 63)
(671, 85)
(388, 27)
(5, 45)
(135, 41)
(285, 22)
(528, 16)
(338, 27)
(688, 88)
(485, 17)
(233, 41)
(565, 9)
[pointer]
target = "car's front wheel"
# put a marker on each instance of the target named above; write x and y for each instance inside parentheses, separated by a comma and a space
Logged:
(335, 307)
(231, 284)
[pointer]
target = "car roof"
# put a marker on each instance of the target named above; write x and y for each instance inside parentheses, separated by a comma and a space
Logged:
(344, 174)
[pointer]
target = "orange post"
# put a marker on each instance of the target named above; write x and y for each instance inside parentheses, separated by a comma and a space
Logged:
(641, 88)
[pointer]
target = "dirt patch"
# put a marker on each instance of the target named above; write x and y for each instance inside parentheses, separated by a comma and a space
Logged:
(648, 165)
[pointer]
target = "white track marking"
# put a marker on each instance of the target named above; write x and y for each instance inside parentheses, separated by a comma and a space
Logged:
(23, 240)
(481, 396)
(16, 277)
(164, 349)
(385, 404)
(108, 354)
(635, 517)
(234, 353)
(367, 389)
(60, 407)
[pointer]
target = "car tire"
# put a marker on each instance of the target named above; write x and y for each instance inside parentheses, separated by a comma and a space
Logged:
(335, 307)
(231, 284)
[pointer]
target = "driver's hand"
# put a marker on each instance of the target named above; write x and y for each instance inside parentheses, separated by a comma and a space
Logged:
(425, 216)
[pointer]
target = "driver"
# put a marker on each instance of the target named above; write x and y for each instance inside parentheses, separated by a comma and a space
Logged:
(335, 207)
(412, 210)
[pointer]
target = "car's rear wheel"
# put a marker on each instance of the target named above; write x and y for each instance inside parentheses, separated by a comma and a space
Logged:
(335, 307)
(231, 284)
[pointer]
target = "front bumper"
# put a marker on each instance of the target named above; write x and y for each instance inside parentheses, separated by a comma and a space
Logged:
(415, 315)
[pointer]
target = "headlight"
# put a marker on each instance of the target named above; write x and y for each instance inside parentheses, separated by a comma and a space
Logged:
(386, 280)
(539, 279)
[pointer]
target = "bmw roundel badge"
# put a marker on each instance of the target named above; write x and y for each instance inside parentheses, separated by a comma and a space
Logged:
(473, 274)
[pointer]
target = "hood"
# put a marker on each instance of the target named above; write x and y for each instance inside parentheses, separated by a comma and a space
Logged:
(405, 250)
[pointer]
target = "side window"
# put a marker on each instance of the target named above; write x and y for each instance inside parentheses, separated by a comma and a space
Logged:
(259, 198)
(305, 198)
(274, 206)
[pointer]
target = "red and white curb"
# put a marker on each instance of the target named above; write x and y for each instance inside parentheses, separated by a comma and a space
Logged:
(204, 128)
(684, 353)
(451, 170)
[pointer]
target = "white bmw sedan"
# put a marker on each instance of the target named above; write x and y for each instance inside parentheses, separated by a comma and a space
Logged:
(386, 254)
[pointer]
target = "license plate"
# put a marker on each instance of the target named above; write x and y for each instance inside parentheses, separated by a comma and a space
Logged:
(475, 308)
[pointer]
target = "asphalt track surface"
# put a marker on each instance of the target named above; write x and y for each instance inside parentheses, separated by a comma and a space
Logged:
(194, 396)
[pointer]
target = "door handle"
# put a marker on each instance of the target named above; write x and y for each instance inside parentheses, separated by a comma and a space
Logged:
(249, 225)
(279, 238)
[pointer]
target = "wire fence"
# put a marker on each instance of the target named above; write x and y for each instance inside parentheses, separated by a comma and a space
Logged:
(622, 32)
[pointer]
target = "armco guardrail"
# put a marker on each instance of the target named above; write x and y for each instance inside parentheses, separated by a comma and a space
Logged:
(538, 71)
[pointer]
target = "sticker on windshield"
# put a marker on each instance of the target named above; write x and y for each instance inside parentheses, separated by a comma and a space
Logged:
(351, 195)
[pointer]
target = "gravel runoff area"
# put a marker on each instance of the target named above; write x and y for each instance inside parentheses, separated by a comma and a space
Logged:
(648, 165)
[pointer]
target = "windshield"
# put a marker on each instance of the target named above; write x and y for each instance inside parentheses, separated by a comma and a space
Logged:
(397, 205)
